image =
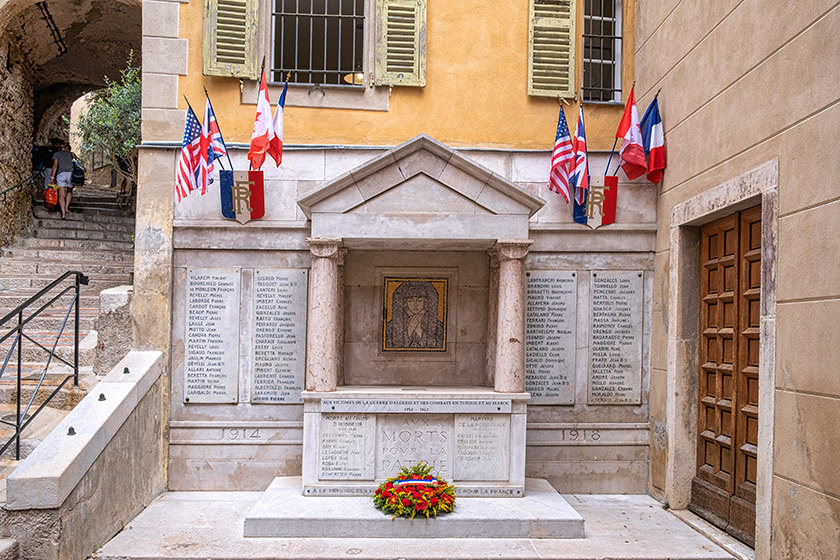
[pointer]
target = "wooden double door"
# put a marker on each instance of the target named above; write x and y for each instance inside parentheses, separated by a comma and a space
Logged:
(723, 489)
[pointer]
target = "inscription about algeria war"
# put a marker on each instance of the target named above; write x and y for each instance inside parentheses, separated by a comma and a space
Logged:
(615, 337)
(279, 335)
(550, 317)
(211, 344)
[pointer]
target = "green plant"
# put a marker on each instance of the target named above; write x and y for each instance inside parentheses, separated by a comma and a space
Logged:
(111, 122)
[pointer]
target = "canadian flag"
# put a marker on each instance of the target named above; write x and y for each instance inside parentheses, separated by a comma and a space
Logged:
(263, 128)
(632, 153)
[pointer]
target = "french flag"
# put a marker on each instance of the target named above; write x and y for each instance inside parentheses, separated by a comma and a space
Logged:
(275, 148)
(653, 137)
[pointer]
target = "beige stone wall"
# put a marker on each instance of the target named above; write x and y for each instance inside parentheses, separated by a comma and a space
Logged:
(16, 139)
(744, 84)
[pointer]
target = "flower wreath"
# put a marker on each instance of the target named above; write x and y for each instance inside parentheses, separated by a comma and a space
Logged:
(415, 491)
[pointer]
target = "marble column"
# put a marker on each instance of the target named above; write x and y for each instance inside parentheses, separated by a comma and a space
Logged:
(492, 318)
(323, 329)
(510, 329)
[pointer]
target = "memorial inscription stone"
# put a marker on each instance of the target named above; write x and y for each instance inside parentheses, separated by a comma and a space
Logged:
(482, 447)
(550, 317)
(615, 337)
(279, 335)
(211, 354)
(404, 439)
(346, 446)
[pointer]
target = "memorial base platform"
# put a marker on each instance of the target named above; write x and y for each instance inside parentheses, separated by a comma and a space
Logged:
(283, 512)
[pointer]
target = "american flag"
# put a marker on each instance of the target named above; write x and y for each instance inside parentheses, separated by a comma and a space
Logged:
(185, 181)
(579, 177)
(558, 177)
(211, 147)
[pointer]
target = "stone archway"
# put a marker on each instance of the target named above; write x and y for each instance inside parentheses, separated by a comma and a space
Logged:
(51, 53)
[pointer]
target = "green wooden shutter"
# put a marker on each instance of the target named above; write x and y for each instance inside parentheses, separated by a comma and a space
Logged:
(400, 43)
(551, 48)
(230, 38)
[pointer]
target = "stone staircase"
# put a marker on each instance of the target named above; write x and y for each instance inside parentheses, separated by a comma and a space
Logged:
(95, 239)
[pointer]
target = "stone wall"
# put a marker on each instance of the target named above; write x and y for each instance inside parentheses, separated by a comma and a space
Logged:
(241, 445)
(723, 120)
(16, 139)
(70, 496)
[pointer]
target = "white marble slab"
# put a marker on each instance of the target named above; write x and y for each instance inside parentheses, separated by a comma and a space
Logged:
(615, 337)
(346, 449)
(211, 353)
(482, 447)
(278, 346)
(550, 319)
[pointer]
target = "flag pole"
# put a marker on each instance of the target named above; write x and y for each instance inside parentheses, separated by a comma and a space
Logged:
(606, 171)
(220, 130)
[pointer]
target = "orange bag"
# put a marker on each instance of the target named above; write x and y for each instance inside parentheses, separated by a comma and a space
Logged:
(50, 197)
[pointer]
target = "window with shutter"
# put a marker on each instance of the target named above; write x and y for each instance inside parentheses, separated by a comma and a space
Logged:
(551, 48)
(400, 43)
(230, 38)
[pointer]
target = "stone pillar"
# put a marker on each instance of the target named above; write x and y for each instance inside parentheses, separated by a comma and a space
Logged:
(323, 336)
(510, 330)
(492, 318)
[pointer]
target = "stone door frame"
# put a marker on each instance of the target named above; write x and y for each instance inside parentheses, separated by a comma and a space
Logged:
(759, 185)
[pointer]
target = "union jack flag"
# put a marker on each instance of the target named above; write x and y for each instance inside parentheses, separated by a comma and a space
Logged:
(185, 182)
(558, 177)
(211, 147)
(579, 178)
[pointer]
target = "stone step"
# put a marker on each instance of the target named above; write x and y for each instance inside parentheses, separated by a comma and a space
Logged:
(54, 268)
(10, 299)
(101, 217)
(109, 234)
(96, 282)
(86, 244)
(64, 349)
(83, 225)
(54, 320)
(69, 256)
(283, 511)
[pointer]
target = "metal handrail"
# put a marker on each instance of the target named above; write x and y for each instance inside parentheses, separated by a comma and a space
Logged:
(21, 420)
(20, 184)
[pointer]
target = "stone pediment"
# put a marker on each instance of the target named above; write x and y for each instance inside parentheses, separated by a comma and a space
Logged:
(421, 190)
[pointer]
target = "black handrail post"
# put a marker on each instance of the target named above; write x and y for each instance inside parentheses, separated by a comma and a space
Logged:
(19, 368)
(76, 337)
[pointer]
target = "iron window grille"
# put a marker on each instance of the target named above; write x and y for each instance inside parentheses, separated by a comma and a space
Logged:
(602, 50)
(318, 42)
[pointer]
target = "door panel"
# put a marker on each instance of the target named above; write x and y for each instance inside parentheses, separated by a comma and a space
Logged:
(723, 490)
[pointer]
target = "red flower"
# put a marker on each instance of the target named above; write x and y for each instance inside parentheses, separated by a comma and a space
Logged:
(416, 495)
(421, 505)
(389, 485)
(378, 491)
(446, 498)
(434, 501)
(406, 502)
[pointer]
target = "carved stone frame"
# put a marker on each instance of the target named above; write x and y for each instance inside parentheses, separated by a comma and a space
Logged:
(759, 185)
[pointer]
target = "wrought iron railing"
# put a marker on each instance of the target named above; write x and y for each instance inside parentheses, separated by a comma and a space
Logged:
(47, 299)
(21, 184)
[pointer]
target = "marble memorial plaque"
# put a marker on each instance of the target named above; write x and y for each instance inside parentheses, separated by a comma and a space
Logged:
(346, 447)
(615, 337)
(211, 353)
(279, 335)
(482, 447)
(403, 440)
(550, 319)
